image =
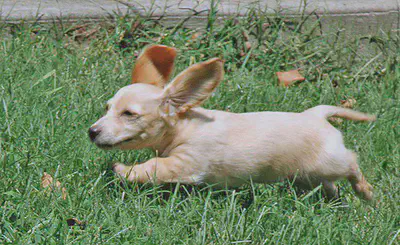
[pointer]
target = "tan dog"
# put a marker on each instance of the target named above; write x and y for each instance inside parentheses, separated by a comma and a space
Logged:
(196, 145)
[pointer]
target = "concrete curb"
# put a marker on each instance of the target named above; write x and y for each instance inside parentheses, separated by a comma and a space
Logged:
(354, 16)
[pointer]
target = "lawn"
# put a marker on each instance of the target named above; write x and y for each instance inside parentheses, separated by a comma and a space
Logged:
(55, 80)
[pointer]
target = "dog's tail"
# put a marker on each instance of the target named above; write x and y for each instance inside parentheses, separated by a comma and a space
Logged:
(327, 111)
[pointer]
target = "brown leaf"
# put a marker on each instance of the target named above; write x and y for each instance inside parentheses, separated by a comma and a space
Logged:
(58, 184)
(349, 103)
(74, 221)
(83, 32)
(287, 78)
(76, 28)
(195, 36)
(47, 181)
(64, 193)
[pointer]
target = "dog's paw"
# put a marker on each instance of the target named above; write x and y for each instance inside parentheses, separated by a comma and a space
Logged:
(121, 169)
(364, 190)
(368, 193)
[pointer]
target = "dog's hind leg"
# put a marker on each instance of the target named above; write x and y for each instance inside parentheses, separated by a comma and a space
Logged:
(357, 180)
(330, 191)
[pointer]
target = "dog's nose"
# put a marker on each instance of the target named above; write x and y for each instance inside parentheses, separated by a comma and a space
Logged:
(93, 132)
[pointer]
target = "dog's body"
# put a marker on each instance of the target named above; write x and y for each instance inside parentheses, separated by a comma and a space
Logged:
(231, 148)
(196, 145)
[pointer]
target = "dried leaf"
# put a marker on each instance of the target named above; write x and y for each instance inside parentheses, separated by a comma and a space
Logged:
(75, 222)
(76, 28)
(287, 78)
(64, 193)
(47, 181)
(89, 33)
(82, 32)
(58, 184)
(349, 103)
(195, 36)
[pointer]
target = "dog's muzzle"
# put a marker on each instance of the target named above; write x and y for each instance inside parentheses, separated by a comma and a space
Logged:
(93, 133)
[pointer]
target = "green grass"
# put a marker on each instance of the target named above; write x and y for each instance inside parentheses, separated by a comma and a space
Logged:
(54, 84)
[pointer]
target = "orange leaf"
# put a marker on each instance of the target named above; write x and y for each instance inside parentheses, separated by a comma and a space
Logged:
(195, 36)
(287, 78)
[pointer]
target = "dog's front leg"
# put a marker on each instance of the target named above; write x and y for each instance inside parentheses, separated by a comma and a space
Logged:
(157, 170)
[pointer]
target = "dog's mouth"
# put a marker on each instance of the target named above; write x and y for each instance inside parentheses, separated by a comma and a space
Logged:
(110, 146)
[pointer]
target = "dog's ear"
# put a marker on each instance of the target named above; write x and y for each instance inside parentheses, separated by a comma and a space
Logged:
(154, 65)
(191, 87)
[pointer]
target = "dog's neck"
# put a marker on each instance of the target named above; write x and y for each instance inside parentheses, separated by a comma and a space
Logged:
(165, 144)
(175, 133)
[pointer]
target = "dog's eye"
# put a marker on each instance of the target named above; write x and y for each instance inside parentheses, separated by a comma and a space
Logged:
(128, 113)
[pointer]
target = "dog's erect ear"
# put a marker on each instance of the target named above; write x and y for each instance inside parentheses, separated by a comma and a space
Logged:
(154, 65)
(191, 87)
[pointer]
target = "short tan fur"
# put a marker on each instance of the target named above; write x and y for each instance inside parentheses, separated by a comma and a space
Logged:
(196, 145)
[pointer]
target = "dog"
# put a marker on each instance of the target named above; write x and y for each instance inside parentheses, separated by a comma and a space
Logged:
(195, 145)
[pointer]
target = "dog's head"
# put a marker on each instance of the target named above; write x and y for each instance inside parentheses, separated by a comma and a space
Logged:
(139, 115)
